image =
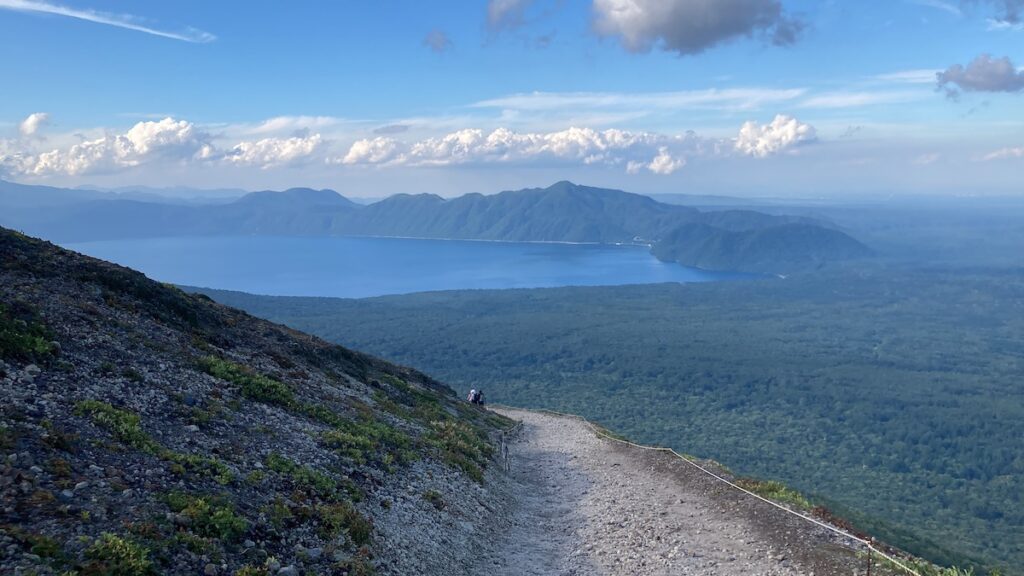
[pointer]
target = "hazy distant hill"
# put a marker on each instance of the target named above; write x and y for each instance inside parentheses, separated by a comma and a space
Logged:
(709, 247)
(564, 212)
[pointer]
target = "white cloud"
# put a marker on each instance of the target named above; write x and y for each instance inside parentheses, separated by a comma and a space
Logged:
(927, 159)
(665, 163)
(379, 150)
(783, 133)
(918, 76)
(502, 145)
(31, 125)
(146, 141)
(636, 151)
(273, 152)
(126, 21)
(691, 26)
(1004, 154)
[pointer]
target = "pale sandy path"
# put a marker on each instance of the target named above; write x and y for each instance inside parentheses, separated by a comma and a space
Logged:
(579, 505)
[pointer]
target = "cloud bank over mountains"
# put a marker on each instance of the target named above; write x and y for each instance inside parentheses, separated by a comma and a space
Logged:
(183, 142)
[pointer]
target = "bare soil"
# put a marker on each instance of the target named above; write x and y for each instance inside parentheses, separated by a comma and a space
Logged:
(577, 503)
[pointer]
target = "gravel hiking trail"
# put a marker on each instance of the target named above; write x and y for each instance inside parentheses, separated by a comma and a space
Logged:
(579, 504)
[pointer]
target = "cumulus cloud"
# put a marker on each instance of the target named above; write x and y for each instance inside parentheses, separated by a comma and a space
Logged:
(692, 26)
(166, 140)
(664, 163)
(379, 150)
(636, 151)
(983, 74)
(125, 21)
(146, 141)
(437, 41)
(31, 125)
(502, 145)
(781, 134)
(273, 152)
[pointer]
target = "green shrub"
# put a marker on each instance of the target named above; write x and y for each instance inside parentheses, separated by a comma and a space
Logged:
(196, 544)
(355, 567)
(210, 516)
(342, 517)
(207, 465)
(250, 570)
(775, 491)
(435, 499)
(22, 336)
(304, 476)
(252, 385)
(461, 445)
(278, 513)
(8, 438)
(363, 439)
(111, 555)
(124, 425)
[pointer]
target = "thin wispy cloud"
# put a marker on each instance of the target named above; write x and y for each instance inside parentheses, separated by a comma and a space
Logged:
(1003, 26)
(859, 99)
(729, 99)
(918, 76)
(946, 7)
(125, 21)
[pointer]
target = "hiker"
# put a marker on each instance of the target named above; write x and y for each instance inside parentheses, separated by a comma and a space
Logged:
(472, 396)
(480, 397)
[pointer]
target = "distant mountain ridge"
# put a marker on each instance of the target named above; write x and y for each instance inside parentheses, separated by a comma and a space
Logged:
(742, 240)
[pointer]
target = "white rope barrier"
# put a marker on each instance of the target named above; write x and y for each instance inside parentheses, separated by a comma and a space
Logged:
(603, 434)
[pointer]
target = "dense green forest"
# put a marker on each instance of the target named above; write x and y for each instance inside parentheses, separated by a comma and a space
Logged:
(892, 394)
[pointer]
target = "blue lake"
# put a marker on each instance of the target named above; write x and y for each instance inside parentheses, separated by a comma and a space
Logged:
(352, 267)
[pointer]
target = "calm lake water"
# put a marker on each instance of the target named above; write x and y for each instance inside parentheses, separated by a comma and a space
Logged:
(361, 267)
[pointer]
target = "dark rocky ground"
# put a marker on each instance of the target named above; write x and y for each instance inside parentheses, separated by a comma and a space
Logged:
(143, 430)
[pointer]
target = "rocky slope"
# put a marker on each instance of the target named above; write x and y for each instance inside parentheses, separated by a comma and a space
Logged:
(143, 430)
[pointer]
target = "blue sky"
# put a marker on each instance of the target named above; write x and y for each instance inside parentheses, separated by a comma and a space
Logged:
(745, 97)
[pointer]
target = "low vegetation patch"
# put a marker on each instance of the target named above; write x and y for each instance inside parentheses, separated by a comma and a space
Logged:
(435, 499)
(775, 491)
(112, 555)
(22, 336)
(367, 439)
(209, 516)
(126, 426)
(251, 384)
(461, 445)
(309, 479)
(342, 518)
